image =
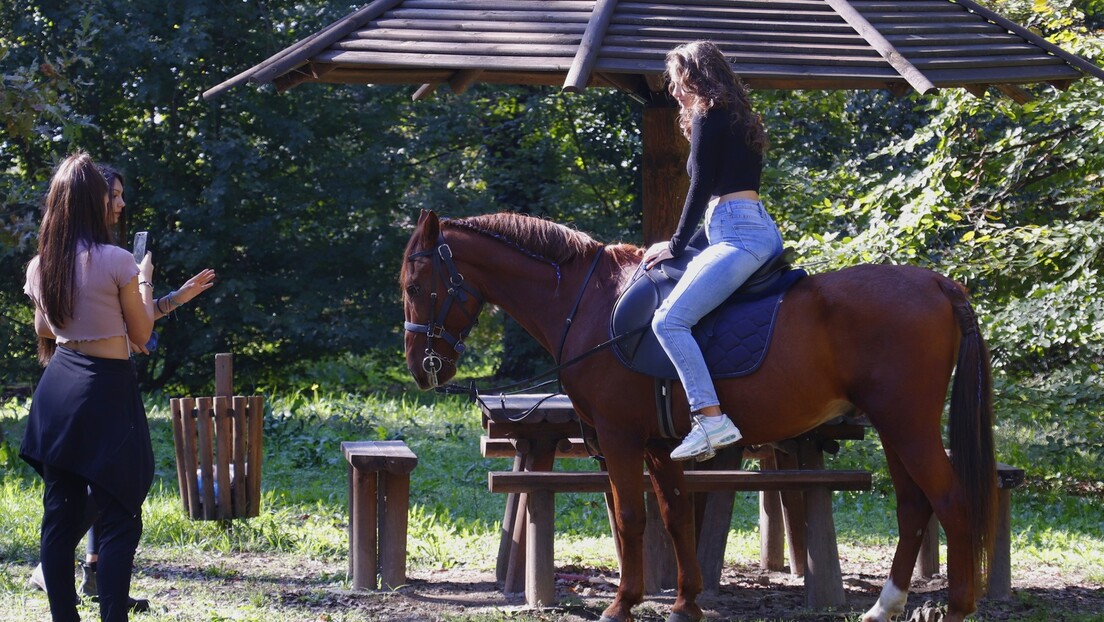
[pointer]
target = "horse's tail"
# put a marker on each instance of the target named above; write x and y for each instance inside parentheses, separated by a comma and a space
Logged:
(971, 428)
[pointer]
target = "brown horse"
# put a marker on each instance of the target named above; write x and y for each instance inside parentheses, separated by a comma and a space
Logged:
(882, 338)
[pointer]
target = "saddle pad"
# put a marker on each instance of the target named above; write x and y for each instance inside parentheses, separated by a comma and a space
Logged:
(733, 338)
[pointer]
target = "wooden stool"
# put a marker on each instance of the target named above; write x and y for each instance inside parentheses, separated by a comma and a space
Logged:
(379, 498)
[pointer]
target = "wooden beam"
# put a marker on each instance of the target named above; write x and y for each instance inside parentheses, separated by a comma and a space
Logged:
(630, 84)
(298, 53)
(587, 54)
(1073, 59)
(311, 72)
(424, 91)
(1017, 94)
(908, 71)
(461, 80)
(977, 90)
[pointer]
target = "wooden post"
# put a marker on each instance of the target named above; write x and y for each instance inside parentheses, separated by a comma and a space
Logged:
(772, 532)
(664, 171)
(509, 519)
(224, 460)
(660, 567)
(224, 375)
(188, 428)
(393, 506)
(363, 535)
(927, 561)
(206, 456)
(712, 539)
(540, 584)
(241, 493)
(256, 427)
(823, 579)
(541, 457)
(793, 509)
(1000, 569)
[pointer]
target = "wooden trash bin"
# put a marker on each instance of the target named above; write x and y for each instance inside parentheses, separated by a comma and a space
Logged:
(218, 449)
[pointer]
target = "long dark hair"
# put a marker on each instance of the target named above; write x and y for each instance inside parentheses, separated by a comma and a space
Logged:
(119, 227)
(702, 70)
(76, 215)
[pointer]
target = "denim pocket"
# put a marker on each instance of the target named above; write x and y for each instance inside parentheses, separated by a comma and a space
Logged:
(745, 225)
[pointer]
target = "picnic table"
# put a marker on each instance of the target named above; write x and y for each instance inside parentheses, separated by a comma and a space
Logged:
(795, 496)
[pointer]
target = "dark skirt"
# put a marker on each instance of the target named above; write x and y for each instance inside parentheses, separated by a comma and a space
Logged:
(87, 418)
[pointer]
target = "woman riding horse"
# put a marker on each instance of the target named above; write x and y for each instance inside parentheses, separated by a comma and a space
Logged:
(882, 338)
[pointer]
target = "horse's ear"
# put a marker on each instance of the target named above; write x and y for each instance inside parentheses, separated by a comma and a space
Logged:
(431, 228)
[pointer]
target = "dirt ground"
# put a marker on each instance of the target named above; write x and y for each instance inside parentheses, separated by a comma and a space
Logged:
(746, 593)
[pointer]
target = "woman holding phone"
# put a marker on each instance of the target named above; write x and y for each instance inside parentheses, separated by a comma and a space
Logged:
(164, 305)
(87, 434)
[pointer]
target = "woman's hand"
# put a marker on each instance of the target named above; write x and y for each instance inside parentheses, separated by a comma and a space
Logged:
(137, 349)
(195, 286)
(145, 268)
(656, 253)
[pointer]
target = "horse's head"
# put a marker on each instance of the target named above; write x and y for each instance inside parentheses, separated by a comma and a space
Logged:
(439, 307)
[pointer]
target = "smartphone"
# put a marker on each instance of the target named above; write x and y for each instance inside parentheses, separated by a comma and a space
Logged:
(140, 245)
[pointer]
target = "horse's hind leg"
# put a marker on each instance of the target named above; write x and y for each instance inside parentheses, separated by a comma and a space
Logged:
(913, 513)
(678, 517)
(924, 482)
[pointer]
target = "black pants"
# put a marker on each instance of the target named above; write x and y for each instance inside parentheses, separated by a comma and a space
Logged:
(63, 523)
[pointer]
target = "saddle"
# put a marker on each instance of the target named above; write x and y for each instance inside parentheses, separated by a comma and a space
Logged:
(733, 337)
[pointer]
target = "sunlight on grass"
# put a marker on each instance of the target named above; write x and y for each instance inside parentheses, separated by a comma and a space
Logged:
(454, 522)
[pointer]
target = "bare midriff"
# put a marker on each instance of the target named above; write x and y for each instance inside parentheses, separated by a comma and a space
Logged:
(747, 195)
(117, 347)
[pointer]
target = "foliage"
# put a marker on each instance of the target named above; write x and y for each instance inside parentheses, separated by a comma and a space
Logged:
(302, 200)
(1003, 197)
(298, 200)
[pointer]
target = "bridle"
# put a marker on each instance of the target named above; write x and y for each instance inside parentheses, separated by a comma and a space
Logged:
(457, 291)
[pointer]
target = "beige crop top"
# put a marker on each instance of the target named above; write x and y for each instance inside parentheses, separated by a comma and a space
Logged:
(102, 270)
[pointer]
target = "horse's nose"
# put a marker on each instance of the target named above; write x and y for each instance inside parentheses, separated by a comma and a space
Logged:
(421, 379)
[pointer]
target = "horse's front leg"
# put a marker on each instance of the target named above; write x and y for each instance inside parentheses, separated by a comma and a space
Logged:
(625, 464)
(678, 516)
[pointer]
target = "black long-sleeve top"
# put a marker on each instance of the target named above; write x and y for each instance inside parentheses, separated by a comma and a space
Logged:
(720, 162)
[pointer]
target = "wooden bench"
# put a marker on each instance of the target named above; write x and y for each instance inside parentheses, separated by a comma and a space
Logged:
(540, 487)
(379, 499)
(1000, 570)
(537, 429)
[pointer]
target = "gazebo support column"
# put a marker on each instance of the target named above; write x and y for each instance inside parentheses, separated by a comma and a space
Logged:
(665, 178)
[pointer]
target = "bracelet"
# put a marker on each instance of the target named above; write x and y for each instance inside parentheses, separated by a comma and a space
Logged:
(145, 283)
(172, 301)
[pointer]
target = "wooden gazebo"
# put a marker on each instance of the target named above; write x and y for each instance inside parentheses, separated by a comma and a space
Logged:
(787, 44)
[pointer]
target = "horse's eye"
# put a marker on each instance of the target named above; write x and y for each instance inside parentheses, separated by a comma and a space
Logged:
(413, 290)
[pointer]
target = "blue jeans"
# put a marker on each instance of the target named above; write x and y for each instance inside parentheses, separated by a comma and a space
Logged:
(742, 237)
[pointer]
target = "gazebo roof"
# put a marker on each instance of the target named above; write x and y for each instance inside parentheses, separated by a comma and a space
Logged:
(791, 44)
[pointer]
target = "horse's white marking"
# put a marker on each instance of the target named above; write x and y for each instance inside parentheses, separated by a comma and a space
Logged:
(891, 603)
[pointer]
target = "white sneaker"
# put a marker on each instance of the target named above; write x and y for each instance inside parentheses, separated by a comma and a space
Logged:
(705, 439)
(37, 581)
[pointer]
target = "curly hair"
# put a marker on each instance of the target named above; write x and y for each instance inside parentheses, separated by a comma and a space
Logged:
(701, 69)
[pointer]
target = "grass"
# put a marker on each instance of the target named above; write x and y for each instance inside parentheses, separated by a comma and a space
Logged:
(454, 520)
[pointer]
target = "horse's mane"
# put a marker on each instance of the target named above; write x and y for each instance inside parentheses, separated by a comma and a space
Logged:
(542, 239)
